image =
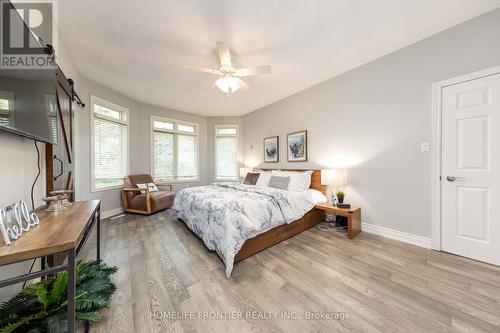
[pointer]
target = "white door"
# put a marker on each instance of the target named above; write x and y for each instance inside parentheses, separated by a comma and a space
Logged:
(471, 169)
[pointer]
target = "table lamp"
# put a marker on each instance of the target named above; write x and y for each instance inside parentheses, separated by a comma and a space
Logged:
(335, 178)
(244, 171)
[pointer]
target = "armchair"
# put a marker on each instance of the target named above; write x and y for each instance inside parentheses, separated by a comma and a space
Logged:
(143, 201)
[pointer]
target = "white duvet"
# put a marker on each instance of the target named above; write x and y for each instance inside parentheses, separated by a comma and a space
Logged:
(224, 215)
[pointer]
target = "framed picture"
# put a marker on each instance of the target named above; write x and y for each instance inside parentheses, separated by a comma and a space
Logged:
(297, 146)
(272, 149)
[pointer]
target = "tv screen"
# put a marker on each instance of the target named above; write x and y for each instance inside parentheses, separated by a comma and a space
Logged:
(28, 104)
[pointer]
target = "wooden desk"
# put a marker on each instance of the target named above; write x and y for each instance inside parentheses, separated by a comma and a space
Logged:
(59, 233)
(353, 215)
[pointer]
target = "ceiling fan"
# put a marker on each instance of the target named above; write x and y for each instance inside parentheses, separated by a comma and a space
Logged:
(230, 81)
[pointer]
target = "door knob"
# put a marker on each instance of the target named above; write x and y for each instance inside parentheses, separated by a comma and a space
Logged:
(453, 178)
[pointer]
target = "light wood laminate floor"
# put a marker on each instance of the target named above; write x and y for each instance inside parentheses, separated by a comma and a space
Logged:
(381, 284)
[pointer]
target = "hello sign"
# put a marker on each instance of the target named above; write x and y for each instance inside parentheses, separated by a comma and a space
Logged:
(24, 221)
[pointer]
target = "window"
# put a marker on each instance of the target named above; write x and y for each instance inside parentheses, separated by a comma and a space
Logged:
(174, 152)
(226, 152)
(6, 108)
(51, 106)
(109, 144)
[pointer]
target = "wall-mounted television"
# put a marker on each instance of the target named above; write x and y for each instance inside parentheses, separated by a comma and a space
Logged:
(28, 102)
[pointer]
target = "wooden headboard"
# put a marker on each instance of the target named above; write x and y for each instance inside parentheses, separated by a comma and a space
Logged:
(315, 178)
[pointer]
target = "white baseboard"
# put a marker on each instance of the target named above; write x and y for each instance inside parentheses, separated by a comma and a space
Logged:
(397, 235)
(111, 212)
(366, 227)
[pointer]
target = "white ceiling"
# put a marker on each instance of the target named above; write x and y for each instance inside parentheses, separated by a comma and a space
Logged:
(137, 47)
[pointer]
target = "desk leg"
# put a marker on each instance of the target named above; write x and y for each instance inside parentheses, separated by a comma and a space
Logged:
(354, 224)
(98, 222)
(71, 290)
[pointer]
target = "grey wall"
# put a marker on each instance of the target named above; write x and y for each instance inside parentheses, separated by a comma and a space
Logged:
(373, 119)
(212, 121)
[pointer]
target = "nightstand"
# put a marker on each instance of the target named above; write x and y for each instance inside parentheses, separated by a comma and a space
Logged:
(353, 215)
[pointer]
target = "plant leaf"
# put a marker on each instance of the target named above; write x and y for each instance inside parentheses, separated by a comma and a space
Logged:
(41, 292)
(56, 323)
(89, 316)
(59, 288)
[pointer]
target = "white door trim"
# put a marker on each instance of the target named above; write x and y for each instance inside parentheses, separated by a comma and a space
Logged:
(436, 145)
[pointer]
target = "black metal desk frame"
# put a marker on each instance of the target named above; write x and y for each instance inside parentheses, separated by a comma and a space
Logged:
(69, 266)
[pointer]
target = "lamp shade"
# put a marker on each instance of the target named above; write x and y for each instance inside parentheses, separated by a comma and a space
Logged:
(334, 177)
(244, 171)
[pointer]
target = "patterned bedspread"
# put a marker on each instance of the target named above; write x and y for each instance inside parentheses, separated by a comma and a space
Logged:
(223, 215)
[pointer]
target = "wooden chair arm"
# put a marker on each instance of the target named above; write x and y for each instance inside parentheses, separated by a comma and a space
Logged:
(132, 189)
(135, 189)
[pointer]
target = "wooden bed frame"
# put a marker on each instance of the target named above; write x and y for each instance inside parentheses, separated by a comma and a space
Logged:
(284, 231)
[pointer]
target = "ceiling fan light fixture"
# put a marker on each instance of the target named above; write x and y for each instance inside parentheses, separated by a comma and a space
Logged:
(227, 84)
(230, 80)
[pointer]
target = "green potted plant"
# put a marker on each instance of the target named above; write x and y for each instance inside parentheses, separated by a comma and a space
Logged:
(340, 196)
(41, 306)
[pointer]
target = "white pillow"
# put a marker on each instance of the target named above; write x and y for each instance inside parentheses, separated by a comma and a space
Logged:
(299, 181)
(264, 179)
(152, 187)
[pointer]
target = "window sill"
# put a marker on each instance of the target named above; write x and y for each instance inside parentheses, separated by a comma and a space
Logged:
(175, 181)
(104, 189)
(230, 180)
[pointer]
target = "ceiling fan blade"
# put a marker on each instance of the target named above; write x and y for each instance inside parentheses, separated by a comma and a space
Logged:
(224, 54)
(242, 84)
(202, 69)
(253, 70)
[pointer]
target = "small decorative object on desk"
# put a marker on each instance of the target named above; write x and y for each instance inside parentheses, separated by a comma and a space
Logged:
(63, 195)
(54, 203)
(24, 221)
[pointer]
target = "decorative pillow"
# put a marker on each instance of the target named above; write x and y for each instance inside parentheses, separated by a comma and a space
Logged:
(263, 180)
(251, 178)
(152, 187)
(281, 183)
(299, 181)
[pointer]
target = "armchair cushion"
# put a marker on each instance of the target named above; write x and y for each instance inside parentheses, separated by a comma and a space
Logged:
(159, 200)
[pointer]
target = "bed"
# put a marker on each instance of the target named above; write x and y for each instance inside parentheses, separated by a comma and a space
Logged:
(237, 220)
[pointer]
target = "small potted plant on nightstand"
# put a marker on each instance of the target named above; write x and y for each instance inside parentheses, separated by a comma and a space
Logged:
(340, 196)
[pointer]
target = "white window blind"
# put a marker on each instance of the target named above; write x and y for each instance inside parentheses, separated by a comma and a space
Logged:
(175, 150)
(6, 108)
(51, 106)
(226, 151)
(110, 144)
